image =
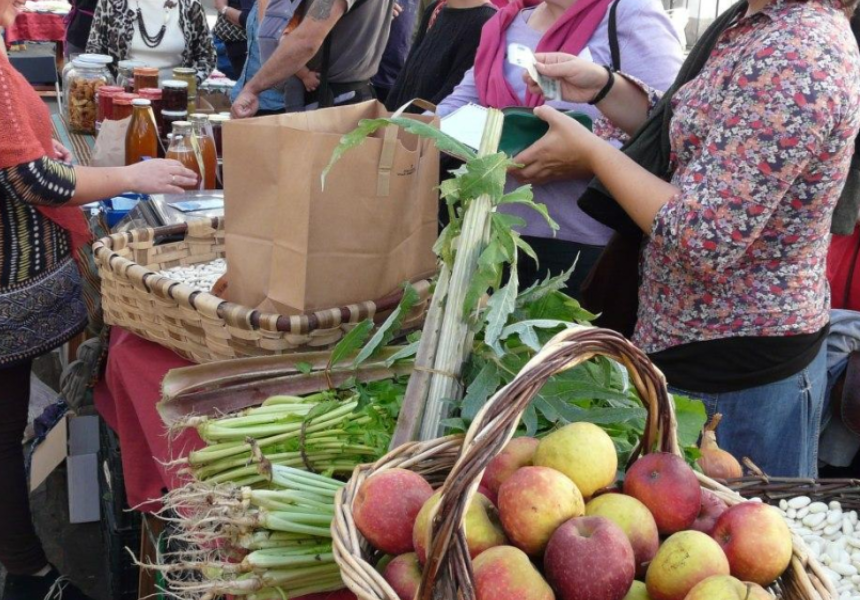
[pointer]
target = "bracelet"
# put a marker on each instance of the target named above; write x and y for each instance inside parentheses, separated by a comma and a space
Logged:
(606, 88)
(223, 11)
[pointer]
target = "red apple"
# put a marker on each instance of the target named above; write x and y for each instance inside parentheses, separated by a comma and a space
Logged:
(519, 452)
(635, 520)
(712, 508)
(533, 503)
(386, 507)
(494, 498)
(756, 541)
(668, 487)
(483, 529)
(684, 560)
(403, 574)
(506, 573)
(589, 558)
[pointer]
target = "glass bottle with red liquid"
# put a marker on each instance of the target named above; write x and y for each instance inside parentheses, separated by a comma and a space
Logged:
(206, 141)
(141, 140)
(184, 148)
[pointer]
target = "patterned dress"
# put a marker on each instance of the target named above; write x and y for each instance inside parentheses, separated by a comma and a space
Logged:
(40, 286)
(761, 144)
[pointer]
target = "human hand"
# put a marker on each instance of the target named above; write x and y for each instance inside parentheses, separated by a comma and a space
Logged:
(246, 105)
(311, 80)
(396, 11)
(581, 80)
(563, 153)
(61, 153)
(160, 176)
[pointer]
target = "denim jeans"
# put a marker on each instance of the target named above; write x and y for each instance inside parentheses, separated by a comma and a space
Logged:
(776, 425)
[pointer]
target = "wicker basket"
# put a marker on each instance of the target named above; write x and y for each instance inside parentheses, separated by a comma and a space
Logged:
(448, 572)
(774, 489)
(202, 327)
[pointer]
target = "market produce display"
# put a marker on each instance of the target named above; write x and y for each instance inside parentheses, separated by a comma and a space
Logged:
(540, 541)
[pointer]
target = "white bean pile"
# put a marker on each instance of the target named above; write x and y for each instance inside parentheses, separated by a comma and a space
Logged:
(832, 536)
(201, 276)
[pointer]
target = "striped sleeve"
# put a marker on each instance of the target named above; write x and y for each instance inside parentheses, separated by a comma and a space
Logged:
(41, 182)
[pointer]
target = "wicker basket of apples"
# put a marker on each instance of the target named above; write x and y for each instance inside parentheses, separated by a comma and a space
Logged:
(522, 519)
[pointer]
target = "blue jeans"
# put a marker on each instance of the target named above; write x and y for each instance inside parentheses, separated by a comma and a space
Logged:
(776, 425)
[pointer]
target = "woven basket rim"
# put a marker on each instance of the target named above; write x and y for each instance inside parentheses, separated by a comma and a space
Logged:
(250, 319)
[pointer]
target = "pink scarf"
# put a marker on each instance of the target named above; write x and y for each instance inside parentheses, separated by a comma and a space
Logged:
(570, 33)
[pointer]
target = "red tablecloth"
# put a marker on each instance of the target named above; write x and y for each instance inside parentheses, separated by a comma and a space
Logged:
(37, 27)
(126, 400)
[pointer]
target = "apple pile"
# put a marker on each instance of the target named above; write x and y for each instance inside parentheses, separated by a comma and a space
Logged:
(549, 522)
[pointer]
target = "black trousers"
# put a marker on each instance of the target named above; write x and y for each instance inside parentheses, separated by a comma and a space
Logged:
(21, 551)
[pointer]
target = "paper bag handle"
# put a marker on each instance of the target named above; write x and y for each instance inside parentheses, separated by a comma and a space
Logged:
(389, 147)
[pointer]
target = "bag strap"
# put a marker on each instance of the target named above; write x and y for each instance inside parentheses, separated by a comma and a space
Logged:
(614, 48)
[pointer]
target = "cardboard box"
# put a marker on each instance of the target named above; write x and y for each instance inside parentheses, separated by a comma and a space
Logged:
(75, 441)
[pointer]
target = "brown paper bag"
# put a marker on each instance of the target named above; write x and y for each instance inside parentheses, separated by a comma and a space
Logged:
(293, 247)
(109, 149)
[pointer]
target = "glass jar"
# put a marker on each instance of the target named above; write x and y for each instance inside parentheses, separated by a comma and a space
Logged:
(189, 76)
(155, 97)
(217, 124)
(100, 59)
(81, 86)
(141, 140)
(175, 95)
(122, 107)
(169, 117)
(105, 98)
(206, 141)
(183, 148)
(125, 77)
(145, 77)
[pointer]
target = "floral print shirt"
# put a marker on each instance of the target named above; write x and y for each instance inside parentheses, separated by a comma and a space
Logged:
(761, 144)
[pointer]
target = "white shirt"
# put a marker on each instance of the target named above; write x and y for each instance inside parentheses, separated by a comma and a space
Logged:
(168, 54)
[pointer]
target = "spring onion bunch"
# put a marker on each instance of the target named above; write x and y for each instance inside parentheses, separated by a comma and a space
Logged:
(329, 432)
(254, 543)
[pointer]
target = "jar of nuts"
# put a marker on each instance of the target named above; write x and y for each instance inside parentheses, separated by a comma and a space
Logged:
(81, 84)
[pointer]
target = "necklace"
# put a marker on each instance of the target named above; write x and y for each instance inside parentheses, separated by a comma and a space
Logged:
(153, 41)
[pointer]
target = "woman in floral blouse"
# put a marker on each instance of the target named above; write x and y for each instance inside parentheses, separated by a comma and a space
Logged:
(733, 297)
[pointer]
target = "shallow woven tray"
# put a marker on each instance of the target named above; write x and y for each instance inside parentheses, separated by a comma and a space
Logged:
(199, 326)
(448, 572)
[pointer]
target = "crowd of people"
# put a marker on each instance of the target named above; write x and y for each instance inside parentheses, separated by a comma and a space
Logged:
(699, 210)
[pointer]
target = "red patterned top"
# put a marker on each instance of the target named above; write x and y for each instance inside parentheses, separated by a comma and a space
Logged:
(761, 144)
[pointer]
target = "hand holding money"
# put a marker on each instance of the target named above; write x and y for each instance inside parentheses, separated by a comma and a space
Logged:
(579, 80)
(522, 56)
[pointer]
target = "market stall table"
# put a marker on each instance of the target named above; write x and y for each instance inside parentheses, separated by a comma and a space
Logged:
(80, 145)
(126, 399)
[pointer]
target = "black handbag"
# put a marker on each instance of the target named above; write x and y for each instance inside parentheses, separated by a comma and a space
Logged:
(227, 31)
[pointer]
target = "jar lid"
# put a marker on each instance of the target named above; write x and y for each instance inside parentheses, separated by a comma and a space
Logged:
(127, 96)
(110, 90)
(145, 71)
(101, 59)
(79, 63)
(174, 83)
(141, 102)
(181, 126)
(118, 100)
(219, 119)
(184, 71)
(150, 93)
(180, 114)
(198, 118)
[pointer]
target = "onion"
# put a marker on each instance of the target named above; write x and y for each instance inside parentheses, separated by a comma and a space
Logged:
(715, 462)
